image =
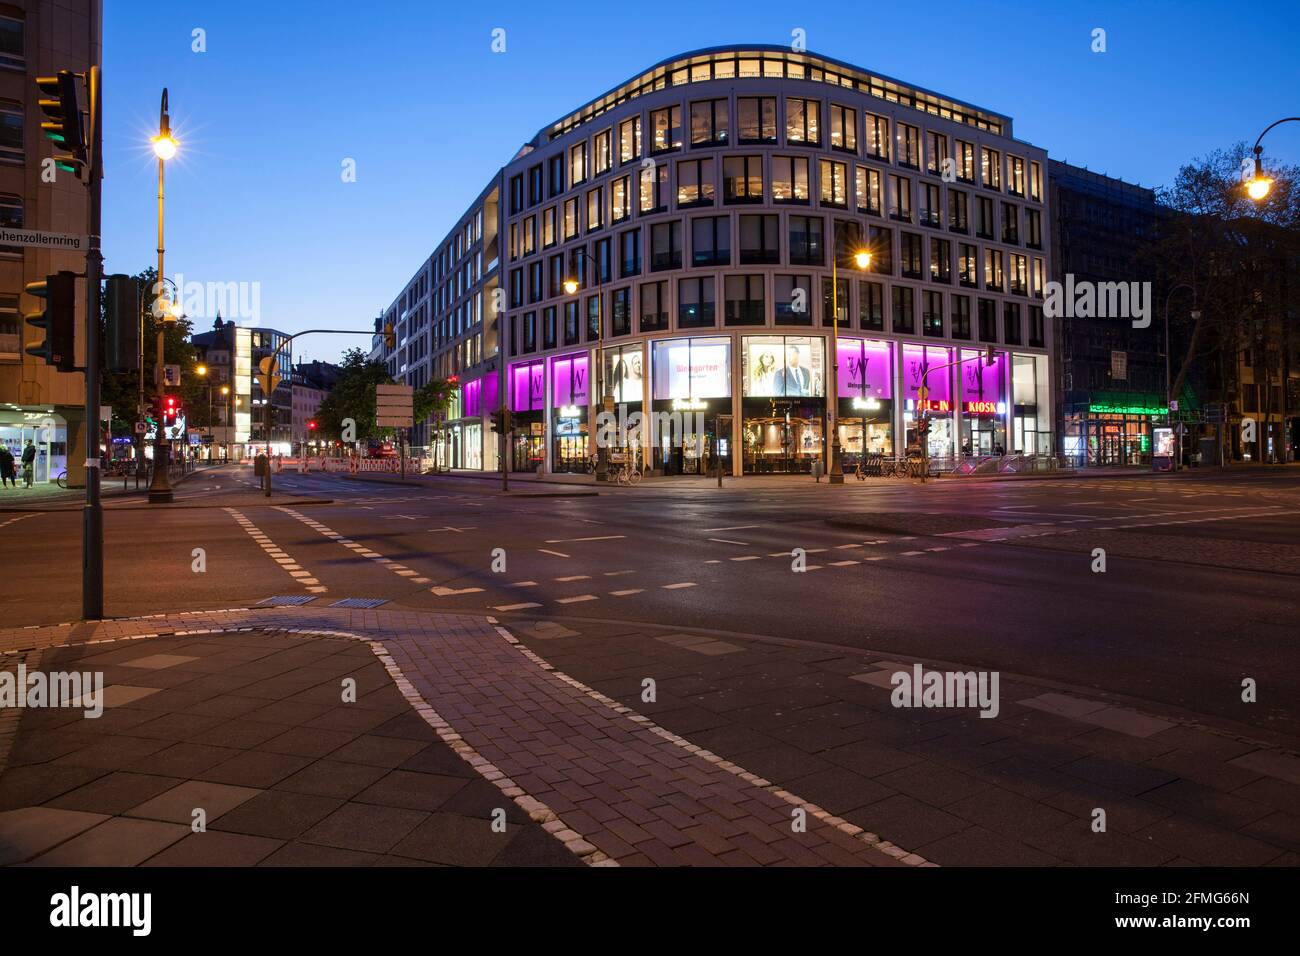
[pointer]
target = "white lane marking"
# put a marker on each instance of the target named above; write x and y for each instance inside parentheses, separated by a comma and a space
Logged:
(627, 592)
(746, 557)
(735, 527)
(522, 584)
(447, 592)
(514, 607)
(558, 554)
(728, 541)
(575, 577)
(842, 564)
(908, 554)
(300, 576)
(616, 574)
(599, 537)
(673, 587)
(577, 600)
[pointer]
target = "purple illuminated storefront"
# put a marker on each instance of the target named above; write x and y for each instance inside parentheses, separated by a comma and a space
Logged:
(526, 384)
(865, 409)
(928, 366)
(570, 395)
(984, 390)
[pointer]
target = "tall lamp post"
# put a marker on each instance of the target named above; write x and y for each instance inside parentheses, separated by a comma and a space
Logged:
(862, 260)
(572, 284)
(164, 147)
(1169, 398)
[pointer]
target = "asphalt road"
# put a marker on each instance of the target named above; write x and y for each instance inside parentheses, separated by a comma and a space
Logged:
(1201, 586)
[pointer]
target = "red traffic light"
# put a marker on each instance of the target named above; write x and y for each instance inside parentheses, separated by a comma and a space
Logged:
(311, 426)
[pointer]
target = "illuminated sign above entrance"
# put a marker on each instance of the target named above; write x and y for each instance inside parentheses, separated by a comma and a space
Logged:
(689, 404)
(1125, 410)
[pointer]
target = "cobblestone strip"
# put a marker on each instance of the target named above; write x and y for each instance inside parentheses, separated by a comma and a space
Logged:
(10, 716)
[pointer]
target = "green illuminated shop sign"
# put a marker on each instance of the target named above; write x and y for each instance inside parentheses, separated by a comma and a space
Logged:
(1125, 410)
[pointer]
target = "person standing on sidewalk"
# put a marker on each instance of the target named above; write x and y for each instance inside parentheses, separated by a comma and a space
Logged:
(8, 476)
(29, 464)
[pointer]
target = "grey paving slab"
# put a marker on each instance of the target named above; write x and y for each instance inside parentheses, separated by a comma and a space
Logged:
(118, 841)
(178, 804)
(30, 831)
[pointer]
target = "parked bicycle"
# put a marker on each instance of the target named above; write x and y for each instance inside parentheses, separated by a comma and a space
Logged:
(61, 479)
(627, 474)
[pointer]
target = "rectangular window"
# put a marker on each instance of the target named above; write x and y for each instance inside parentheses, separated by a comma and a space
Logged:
(535, 185)
(517, 194)
(572, 330)
(694, 183)
(834, 190)
(878, 136)
(965, 161)
(802, 121)
(993, 270)
(593, 318)
(548, 327)
(867, 187)
(984, 221)
(936, 152)
(595, 209)
(881, 242)
(12, 51)
(792, 299)
(844, 128)
(654, 188)
(1038, 278)
(577, 164)
(1033, 228)
(1035, 181)
(932, 314)
(960, 317)
(940, 260)
(620, 317)
(1036, 326)
(696, 303)
(1019, 275)
(900, 198)
(760, 240)
(742, 179)
(550, 235)
(629, 140)
(1015, 175)
(711, 241)
(654, 306)
(629, 249)
(516, 288)
(666, 246)
(931, 211)
(744, 300)
(604, 262)
(904, 310)
(871, 306)
(665, 129)
(909, 146)
(991, 167)
(709, 123)
(530, 236)
(555, 166)
(620, 199)
(1011, 322)
(536, 290)
(988, 316)
(910, 255)
(1011, 223)
(958, 211)
(790, 179)
(835, 300)
(757, 119)
(555, 268)
(967, 266)
(806, 247)
(530, 331)
(571, 220)
(604, 145)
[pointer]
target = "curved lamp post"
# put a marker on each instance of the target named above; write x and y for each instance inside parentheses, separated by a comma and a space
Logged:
(1259, 185)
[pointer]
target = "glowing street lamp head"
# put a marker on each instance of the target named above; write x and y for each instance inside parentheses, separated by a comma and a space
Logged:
(570, 286)
(1258, 187)
(164, 147)
(862, 259)
(201, 370)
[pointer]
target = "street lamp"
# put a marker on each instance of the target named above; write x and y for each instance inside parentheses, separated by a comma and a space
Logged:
(862, 260)
(1259, 185)
(572, 283)
(1196, 314)
(164, 147)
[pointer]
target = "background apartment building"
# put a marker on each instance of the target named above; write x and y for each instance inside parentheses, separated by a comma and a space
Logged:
(37, 402)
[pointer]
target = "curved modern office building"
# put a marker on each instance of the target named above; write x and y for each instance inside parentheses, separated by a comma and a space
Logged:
(692, 244)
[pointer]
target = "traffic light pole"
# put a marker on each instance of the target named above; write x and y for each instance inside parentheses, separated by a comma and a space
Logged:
(92, 548)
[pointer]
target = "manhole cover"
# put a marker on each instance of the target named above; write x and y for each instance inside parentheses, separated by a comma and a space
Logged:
(360, 602)
(288, 600)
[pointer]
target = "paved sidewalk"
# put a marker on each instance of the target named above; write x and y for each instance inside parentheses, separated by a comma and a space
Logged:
(609, 786)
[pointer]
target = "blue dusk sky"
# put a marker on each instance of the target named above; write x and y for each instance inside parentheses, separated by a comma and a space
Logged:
(287, 91)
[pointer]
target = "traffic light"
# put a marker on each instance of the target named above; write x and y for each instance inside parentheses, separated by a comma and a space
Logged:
(59, 102)
(502, 421)
(121, 324)
(171, 410)
(311, 426)
(57, 318)
(923, 426)
(390, 336)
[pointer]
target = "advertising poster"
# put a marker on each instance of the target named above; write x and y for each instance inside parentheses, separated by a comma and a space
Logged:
(692, 368)
(783, 366)
(625, 373)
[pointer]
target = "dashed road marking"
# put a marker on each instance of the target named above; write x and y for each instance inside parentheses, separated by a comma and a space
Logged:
(291, 567)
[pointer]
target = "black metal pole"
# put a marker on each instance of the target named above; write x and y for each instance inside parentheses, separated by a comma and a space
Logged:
(92, 578)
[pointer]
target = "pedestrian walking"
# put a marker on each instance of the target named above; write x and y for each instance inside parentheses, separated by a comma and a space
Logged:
(8, 474)
(29, 464)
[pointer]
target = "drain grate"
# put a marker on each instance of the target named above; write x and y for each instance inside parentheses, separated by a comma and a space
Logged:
(360, 602)
(288, 600)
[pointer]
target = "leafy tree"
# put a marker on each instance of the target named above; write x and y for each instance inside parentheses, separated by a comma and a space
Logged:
(353, 396)
(433, 398)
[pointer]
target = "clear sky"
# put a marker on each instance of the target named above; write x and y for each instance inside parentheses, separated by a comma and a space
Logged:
(287, 90)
